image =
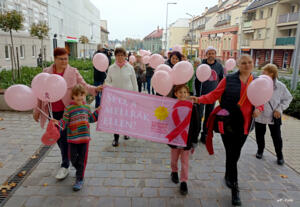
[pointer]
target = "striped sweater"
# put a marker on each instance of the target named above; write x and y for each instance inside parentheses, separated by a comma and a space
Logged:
(76, 119)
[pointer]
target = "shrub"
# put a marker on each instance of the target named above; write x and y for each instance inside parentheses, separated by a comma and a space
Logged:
(294, 108)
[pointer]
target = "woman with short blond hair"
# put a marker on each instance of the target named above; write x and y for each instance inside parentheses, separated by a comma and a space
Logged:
(271, 115)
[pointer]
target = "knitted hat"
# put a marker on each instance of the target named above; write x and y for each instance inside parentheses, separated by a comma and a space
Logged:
(210, 48)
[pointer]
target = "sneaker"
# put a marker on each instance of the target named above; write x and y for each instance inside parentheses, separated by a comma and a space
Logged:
(235, 195)
(183, 188)
(126, 137)
(78, 185)
(174, 177)
(115, 143)
(62, 173)
(280, 161)
(259, 155)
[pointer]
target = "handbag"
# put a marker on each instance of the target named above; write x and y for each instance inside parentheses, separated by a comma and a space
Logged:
(276, 121)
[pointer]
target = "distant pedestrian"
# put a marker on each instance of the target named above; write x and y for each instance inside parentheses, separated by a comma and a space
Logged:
(208, 86)
(149, 74)
(272, 115)
(140, 71)
(99, 76)
(121, 75)
(76, 119)
(182, 93)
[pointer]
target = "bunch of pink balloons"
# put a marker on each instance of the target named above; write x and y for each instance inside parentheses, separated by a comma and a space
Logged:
(156, 60)
(230, 64)
(203, 72)
(260, 90)
(132, 59)
(20, 97)
(49, 87)
(144, 52)
(100, 62)
(146, 59)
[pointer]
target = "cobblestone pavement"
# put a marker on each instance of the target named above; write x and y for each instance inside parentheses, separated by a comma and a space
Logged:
(137, 174)
(290, 130)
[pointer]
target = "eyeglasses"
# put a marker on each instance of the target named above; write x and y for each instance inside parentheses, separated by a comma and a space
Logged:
(62, 59)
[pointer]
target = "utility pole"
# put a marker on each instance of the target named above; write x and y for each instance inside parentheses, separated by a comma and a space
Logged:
(296, 62)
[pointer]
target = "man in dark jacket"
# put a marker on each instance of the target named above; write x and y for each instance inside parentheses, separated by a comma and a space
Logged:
(208, 86)
(99, 76)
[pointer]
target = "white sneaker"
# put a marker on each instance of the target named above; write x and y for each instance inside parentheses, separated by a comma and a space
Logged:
(62, 173)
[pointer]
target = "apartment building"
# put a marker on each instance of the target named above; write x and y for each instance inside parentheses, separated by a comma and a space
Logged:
(269, 31)
(177, 31)
(26, 47)
(153, 41)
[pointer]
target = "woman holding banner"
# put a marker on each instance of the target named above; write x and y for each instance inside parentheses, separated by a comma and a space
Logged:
(72, 77)
(239, 116)
(121, 75)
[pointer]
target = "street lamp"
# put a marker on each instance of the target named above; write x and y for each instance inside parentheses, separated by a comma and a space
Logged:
(192, 33)
(166, 39)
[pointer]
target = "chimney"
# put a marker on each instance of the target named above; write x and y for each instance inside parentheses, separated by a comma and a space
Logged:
(206, 9)
(219, 3)
(157, 28)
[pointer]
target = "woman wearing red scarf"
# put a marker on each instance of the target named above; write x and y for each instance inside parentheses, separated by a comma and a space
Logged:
(121, 75)
(232, 94)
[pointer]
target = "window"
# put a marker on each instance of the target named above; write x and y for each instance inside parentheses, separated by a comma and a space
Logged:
(30, 16)
(270, 12)
(289, 32)
(267, 56)
(259, 34)
(33, 50)
(293, 8)
(261, 14)
(2, 6)
(237, 20)
(229, 44)
(22, 51)
(7, 52)
(18, 7)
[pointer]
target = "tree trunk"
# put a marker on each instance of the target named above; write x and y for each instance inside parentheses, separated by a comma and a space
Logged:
(84, 51)
(13, 62)
(18, 64)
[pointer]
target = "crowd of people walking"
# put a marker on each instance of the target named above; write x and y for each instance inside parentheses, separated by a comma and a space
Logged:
(74, 116)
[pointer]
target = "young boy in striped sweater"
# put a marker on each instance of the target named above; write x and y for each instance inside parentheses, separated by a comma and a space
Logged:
(76, 119)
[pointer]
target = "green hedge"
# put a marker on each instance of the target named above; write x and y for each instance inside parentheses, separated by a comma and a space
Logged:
(27, 73)
(294, 108)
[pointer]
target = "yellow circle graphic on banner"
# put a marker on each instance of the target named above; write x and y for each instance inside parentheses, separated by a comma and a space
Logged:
(161, 113)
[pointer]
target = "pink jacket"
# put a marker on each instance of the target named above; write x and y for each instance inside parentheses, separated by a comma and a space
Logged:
(72, 77)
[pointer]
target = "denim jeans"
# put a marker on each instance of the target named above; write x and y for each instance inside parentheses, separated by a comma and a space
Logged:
(98, 96)
(149, 85)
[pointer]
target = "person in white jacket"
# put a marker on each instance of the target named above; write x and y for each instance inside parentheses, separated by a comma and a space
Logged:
(271, 115)
(121, 75)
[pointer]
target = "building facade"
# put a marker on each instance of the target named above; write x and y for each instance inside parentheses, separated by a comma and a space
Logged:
(269, 31)
(176, 33)
(27, 48)
(153, 41)
(69, 20)
(104, 33)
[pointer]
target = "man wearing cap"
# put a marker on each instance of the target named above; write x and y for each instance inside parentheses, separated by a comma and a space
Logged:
(208, 86)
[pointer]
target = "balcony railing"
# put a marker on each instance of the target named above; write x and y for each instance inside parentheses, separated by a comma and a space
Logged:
(246, 42)
(223, 21)
(247, 24)
(290, 17)
(285, 41)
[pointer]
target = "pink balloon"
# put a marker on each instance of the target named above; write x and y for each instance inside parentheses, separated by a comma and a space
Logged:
(164, 67)
(203, 72)
(132, 59)
(267, 77)
(143, 52)
(162, 82)
(156, 60)
(230, 64)
(182, 72)
(100, 62)
(146, 59)
(20, 97)
(50, 88)
(260, 91)
(177, 48)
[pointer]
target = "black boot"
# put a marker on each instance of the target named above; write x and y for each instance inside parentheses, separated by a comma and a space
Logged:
(235, 195)
(280, 160)
(126, 137)
(228, 182)
(174, 177)
(203, 138)
(183, 188)
(115, 143)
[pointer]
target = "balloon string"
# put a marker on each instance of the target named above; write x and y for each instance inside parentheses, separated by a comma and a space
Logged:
(48, 116)
(50, 109)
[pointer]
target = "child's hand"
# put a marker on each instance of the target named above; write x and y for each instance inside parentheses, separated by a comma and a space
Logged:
(99, 108)
(55, 121)
(194, 99)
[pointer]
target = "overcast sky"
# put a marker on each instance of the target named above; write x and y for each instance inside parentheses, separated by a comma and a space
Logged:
(137, 18)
